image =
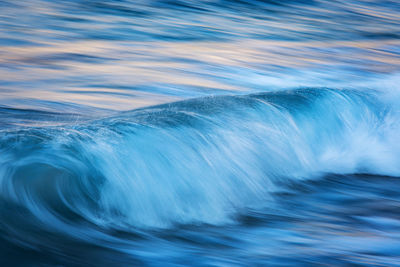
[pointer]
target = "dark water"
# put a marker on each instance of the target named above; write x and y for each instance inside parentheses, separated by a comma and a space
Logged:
(199, 133)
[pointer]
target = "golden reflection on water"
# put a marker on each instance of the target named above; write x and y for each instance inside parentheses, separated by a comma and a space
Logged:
(60, 70)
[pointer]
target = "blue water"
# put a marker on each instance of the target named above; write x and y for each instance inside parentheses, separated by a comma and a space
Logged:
(199, 133)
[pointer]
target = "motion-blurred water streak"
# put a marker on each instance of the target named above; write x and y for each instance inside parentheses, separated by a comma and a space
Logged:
(205, 133)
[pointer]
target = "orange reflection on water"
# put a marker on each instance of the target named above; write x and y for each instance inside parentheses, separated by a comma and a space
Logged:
(64, 71)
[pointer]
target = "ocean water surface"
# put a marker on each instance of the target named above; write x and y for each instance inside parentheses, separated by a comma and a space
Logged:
(199, 133)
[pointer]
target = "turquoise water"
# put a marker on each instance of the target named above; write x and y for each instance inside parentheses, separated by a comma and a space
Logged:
(200, 133)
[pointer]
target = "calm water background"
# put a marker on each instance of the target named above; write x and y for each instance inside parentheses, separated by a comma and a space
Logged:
(204, 133)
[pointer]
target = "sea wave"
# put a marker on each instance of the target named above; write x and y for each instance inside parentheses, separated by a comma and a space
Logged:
(197, 161)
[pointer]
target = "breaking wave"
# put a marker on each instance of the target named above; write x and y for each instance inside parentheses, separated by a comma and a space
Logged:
(196, 161)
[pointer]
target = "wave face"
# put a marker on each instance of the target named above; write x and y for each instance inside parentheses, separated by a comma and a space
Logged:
(198, 161)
